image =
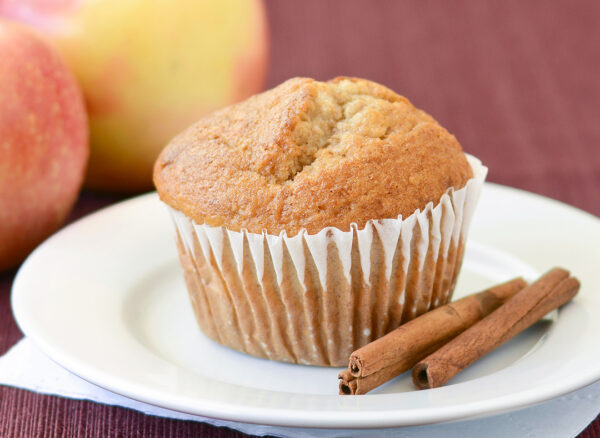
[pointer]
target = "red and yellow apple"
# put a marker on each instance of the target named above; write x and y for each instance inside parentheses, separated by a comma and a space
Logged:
(43, 141)
(149, 69)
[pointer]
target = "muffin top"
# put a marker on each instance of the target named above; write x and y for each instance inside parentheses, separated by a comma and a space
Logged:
(310, 155)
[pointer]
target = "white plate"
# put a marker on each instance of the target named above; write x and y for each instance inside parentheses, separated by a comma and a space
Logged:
(105, 298)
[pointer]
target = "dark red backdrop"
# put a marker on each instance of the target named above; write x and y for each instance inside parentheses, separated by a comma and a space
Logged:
(516, 81)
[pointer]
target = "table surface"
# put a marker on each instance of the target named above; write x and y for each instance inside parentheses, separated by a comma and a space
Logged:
(516, 82)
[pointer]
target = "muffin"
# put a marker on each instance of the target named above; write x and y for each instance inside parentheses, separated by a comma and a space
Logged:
(315, 217)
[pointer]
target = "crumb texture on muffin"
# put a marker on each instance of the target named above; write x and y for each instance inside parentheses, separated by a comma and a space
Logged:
(310, 154)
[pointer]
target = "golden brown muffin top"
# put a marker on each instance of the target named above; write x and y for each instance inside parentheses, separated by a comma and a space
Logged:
(310, 154)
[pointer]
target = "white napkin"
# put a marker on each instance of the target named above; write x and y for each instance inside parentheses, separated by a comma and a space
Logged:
(25, 366)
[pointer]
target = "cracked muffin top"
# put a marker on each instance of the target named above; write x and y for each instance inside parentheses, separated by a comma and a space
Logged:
(311, 155)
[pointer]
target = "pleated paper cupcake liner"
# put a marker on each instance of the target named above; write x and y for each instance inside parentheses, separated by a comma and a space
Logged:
(313, 299)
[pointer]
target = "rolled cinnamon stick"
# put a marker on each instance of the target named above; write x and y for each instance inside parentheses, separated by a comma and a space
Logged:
(396, 352)
(351, 385)
(528, 306)
(347, 383)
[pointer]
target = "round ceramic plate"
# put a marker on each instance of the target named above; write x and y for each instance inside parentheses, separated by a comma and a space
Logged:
(105, 298)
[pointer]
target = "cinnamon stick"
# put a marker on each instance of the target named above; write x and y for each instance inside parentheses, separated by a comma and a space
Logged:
(351, 385)
(347, 383)
(396, 352)
(528, 306)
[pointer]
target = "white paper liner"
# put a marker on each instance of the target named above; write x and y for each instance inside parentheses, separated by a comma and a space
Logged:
(316, 298)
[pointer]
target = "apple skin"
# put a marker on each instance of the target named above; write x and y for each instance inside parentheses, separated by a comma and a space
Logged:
(149, 69)
(43, 141)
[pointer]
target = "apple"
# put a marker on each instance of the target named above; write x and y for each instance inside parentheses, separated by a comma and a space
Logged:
(43, 141)
(149, 69)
